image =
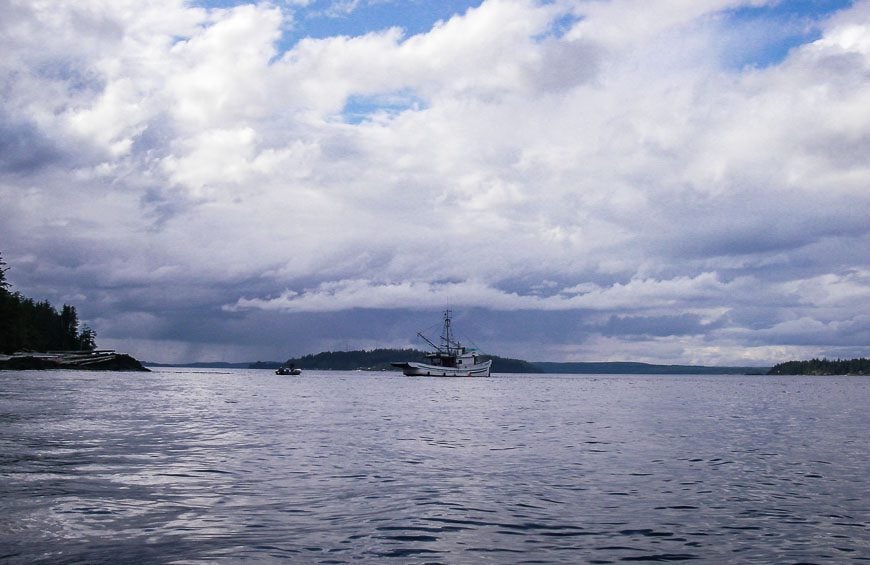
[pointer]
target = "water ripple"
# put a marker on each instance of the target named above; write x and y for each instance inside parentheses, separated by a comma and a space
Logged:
(346, 467)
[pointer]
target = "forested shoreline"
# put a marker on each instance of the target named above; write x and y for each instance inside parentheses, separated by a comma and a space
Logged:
(31, 325)
(823, 367)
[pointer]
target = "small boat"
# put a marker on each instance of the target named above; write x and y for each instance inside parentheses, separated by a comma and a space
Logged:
(288, 370)
(450, 359)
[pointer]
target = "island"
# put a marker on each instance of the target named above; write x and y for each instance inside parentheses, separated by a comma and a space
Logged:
(819, 367)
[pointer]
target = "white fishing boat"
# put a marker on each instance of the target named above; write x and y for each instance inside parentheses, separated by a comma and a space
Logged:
(449, 359)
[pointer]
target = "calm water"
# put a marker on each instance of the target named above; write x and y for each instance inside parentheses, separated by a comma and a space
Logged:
(195, 467)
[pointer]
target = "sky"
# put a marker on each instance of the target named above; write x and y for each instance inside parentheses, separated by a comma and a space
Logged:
(664, 181)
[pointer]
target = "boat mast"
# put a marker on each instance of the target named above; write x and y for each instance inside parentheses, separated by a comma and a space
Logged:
(446, 334)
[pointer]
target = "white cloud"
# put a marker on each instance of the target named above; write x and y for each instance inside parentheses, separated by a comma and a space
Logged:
(220, 76)
(637, 294)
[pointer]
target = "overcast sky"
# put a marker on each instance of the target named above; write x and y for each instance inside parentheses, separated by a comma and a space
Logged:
(669, 181)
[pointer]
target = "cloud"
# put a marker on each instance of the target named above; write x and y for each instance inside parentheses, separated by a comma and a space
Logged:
(520, 159)
(24, 148)
(342, 8)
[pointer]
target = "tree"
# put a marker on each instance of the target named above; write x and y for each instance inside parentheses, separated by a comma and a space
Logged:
(87, 340)
(8, 312)
(3, 268)
(69, 323)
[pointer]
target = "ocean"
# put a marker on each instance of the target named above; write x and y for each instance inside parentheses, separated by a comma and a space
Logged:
(204, 466)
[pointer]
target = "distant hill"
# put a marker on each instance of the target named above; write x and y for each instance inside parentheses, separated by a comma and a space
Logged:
(508, 365)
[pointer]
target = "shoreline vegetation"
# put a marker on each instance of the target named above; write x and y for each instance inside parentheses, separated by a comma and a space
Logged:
(34, 335)
(820, 367)
(29, 325)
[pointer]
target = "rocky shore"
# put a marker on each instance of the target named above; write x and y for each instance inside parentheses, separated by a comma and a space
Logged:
(102, 360)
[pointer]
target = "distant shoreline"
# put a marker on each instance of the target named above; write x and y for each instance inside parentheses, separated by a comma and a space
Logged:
(379, 360)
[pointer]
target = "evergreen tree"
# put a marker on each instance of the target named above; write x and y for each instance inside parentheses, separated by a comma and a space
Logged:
(69, 323)
(87, 339)
(3, 268)
(7, 311)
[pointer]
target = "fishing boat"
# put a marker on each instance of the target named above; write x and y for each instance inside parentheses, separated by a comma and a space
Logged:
(449, 359)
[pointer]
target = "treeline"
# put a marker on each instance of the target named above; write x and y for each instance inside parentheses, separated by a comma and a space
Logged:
(26, 324)
(823, 367)
(373, 360)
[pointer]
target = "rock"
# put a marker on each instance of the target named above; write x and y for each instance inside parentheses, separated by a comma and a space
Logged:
(76, 361)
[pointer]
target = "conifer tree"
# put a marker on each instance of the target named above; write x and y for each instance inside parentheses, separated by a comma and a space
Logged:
(8, 312)
(69, 323)
(3, 284)
(87, 339)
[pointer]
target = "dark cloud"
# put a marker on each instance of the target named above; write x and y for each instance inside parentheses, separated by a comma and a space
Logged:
(24, 148)
(761, 222)
(657, 326)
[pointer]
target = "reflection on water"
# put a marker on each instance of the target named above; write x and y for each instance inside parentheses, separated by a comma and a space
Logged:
(195, 466)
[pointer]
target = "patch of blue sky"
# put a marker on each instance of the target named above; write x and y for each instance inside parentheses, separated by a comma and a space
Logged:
(363, 108)
(812, 9)
(559, 26)
(763, 36)
(218, 3)
(327, 18)
(320, 19)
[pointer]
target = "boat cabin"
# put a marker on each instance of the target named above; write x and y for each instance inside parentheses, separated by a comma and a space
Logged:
(461, 358)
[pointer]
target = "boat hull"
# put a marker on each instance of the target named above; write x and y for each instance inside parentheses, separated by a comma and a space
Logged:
(412, 369)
